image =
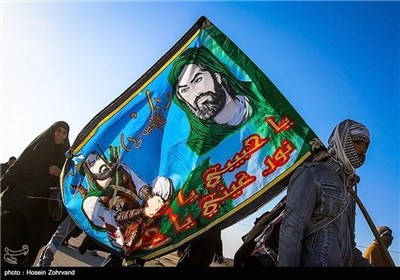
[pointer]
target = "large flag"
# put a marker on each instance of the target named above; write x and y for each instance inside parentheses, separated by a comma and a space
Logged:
(200, 141)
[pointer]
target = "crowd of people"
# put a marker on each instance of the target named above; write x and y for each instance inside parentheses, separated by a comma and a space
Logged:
(26, 184)
(215, 102)
(317, 189)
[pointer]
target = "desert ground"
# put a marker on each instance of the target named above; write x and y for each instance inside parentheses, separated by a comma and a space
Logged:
(69, 256)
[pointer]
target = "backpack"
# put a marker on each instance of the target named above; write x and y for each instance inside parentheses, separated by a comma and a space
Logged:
(261, 244)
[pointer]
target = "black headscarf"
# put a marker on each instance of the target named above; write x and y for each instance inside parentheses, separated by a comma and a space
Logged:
(42, 152)
(25, 220)
(38, 156)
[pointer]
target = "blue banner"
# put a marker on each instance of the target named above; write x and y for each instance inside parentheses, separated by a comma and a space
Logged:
(199, 142)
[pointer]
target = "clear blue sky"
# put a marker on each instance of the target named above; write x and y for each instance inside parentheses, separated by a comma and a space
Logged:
(331, 60)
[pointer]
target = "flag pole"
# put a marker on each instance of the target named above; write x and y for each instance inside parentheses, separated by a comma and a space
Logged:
(382, 246)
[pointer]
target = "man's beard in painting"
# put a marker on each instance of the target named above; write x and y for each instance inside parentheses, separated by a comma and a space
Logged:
(209, 104)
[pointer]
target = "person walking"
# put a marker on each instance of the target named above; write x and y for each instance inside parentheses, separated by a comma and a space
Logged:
(6, 165)
(26, 224)
(321, 189)
(47, 255)
(60, 236)
(373, 253)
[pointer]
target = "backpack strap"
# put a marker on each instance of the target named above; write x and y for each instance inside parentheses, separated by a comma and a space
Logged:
(264, 220)
(320, 224)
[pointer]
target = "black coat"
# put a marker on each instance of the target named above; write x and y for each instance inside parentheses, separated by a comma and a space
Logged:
(25, 222)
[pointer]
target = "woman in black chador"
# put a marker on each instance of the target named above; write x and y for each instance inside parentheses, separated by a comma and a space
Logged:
(26, 224)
